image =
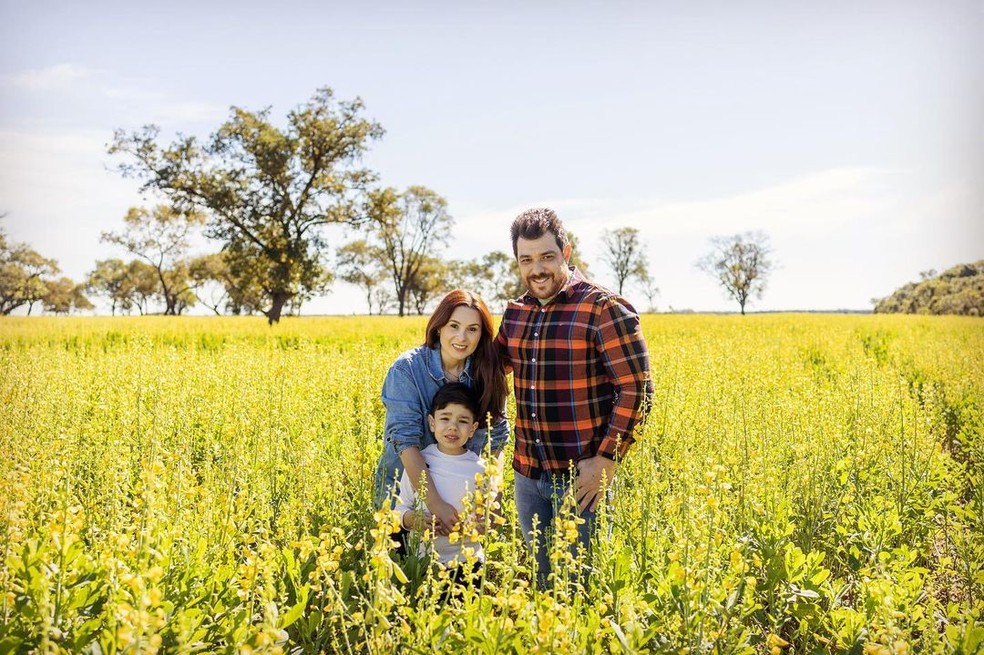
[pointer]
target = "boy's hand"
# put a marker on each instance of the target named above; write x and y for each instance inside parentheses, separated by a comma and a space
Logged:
(416, 520)
(445, 516)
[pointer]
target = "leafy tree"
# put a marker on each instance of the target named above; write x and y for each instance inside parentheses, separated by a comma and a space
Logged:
(360, 264)
(109, 279)
(268, 192)
(494, 277)
(575, 259)
(23, 275)
(63, 295)
(623, 251)
(740, 263)
(408, 227)
(143, 285)
(210, 281)
(162, 238)
(431, 280)
(126, 285)
(957, 290)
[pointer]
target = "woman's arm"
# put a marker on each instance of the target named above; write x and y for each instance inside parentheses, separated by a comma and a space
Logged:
(404, 423)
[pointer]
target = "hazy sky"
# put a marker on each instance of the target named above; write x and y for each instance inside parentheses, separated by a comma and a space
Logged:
(851, 132)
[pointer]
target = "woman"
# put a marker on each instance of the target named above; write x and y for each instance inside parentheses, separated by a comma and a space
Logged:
(459, 346)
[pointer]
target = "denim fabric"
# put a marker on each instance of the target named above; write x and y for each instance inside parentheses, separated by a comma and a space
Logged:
(542, 498)
(408, 390)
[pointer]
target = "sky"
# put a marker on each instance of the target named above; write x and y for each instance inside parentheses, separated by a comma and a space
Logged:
(851, 133)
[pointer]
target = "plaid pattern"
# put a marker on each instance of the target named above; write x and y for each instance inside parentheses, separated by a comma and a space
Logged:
(581, 374)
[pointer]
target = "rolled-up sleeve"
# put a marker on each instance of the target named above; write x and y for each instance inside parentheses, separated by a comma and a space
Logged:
(404, 419)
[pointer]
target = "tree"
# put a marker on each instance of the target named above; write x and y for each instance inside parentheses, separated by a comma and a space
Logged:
(143, 285)
(740, 263)
(211, 281)
(495, 277)
(650, 290)
(125, 285)
(360, 264)
(162, 238)
(109, 279)
(957, 290)
(24, 274)
(432, 279)
(268, 192)
(63, 295)
(623, 251)
(409, 227)
(575, 258)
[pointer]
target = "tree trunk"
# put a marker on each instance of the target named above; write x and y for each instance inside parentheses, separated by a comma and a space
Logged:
(278, 300)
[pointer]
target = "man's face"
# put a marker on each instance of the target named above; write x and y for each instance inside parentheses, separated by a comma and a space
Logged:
(542, 265)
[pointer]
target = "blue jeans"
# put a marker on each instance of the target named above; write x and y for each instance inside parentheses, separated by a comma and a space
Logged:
(542, 498)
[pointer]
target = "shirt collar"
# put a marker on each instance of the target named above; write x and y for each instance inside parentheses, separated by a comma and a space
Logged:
(436, 367)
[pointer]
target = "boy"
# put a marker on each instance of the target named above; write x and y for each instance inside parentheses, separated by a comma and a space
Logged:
(455, 472)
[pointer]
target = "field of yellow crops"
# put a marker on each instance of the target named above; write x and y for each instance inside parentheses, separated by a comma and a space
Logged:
(805, 484)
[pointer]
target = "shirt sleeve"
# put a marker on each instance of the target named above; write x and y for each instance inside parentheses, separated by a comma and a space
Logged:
(499, 435)
(625, 356)
(406, 498)
(404, 414)
(502, 342)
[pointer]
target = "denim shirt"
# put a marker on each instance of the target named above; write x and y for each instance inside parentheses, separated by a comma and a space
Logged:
(408, 390)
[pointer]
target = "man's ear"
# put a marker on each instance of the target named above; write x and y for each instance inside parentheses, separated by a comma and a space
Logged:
(567, 253)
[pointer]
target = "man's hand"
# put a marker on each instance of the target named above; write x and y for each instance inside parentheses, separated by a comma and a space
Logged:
(445, 516)
(587, 485)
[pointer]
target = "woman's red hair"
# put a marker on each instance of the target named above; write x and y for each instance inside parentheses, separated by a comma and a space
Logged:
(487, 371)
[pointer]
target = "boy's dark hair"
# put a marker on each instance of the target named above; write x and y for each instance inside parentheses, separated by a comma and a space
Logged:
(455, 393)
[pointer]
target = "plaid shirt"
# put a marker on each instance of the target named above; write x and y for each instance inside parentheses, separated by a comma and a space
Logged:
(581, 374)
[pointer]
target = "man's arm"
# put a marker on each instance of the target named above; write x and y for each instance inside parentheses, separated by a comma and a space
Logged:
(625, 356)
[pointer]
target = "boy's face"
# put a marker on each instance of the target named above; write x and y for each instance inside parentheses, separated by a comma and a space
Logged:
(452, 425)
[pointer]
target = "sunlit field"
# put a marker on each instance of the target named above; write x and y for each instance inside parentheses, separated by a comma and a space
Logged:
(804, 484)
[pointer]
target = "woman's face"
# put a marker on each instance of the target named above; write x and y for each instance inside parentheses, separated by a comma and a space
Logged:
(461, 334)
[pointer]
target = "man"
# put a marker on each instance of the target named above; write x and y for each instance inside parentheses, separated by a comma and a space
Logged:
(581, 376)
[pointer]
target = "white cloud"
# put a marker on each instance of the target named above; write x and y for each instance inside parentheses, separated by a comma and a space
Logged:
(169, 113)
(51, 78)
(841, 236)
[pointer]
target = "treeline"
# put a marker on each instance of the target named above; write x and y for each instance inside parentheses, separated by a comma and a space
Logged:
(266, 196)
(27, 278)
(957, 290)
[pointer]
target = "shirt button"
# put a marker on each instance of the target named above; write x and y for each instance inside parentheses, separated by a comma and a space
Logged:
(544, 309)
(533, 415)
(532, 386)
(538, 441)
(536, 334)
(533, 360)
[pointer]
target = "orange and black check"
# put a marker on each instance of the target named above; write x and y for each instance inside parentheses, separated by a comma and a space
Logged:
(581, 376)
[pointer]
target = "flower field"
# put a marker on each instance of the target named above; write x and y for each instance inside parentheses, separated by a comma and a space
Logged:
(804, 484)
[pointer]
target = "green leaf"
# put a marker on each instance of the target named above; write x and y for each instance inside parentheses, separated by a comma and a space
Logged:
(297, 610)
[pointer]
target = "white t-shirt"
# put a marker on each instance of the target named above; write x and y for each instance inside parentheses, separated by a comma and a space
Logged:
(453, 476)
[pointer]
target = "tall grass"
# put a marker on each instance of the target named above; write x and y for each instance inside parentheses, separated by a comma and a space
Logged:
(804, 484)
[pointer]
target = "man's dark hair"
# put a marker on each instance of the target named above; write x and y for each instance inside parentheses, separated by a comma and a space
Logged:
(454, 393)
(534, 223)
